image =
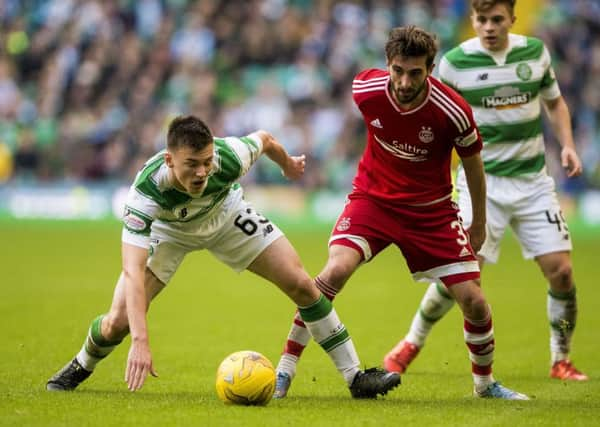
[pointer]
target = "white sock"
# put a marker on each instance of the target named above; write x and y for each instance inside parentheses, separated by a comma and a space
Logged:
(435, 304)
(287, 363)
(482, 382)
(562, 315)
(324, 325)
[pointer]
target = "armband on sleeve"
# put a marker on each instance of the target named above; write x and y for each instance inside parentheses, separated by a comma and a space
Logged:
(136, 222)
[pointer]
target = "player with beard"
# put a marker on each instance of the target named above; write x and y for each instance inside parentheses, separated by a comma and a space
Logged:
(402, 196)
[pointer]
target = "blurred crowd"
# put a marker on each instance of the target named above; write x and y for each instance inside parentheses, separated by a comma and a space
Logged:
(88, 87)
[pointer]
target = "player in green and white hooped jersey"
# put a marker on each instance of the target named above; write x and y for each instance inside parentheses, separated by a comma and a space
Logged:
(187, 198)
(507, 79)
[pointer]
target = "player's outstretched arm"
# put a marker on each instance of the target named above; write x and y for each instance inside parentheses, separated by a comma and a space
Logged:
(473, 166)
(560, 119)
(292, 167)
(139, 360)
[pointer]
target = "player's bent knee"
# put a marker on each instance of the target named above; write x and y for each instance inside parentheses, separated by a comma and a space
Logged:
(560, 278)
(473, 304)
(304, 293)
(298, 286)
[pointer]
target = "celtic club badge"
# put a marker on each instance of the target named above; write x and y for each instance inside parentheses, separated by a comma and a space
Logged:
(524, 71)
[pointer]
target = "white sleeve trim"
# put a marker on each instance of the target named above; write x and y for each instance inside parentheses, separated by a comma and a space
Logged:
(138, 240)
(254, 137)
(551, 92)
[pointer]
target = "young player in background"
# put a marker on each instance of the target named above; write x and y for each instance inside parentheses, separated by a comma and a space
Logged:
(402, 193)
(187, 198)
(506, 78)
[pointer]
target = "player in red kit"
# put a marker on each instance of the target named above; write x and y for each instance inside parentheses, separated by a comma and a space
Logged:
(402, 196)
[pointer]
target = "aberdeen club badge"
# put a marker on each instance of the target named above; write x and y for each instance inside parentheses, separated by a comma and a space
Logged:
(343, 224)
(426, 134)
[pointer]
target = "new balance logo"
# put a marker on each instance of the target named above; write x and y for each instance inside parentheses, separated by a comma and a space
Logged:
(464, 252)
(376, 123)
(268, 229)
(482, 77)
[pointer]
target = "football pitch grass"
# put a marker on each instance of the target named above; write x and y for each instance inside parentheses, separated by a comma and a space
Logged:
(57, 278)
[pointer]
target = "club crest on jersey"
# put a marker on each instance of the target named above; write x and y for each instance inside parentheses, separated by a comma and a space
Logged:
(524, 71)
(343, 224)
(426, 134)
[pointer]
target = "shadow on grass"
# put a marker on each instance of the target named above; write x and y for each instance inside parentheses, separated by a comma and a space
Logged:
(441, 403)
(143, 395)
(398, 399)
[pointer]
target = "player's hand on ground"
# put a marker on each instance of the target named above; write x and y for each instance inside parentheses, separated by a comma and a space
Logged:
(294, 167)
(570, 162)
(139, 365)
(477, 237)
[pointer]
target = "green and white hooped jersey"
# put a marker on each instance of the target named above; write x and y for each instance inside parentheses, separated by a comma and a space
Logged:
(504, 90)
(152, 197)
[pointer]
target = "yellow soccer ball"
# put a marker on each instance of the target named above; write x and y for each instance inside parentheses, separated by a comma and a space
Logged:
(246, 378)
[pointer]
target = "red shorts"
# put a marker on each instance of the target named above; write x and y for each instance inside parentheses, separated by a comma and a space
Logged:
(431, 238)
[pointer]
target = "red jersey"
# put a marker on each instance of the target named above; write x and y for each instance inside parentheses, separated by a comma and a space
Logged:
(408, 152)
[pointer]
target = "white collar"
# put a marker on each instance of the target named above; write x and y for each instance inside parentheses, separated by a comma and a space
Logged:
(474, 46)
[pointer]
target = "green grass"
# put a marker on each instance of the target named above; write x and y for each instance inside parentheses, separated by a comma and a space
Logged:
(58, 278)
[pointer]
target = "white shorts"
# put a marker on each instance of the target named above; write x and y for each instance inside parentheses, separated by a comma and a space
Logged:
(529, 206)
(236, 235)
